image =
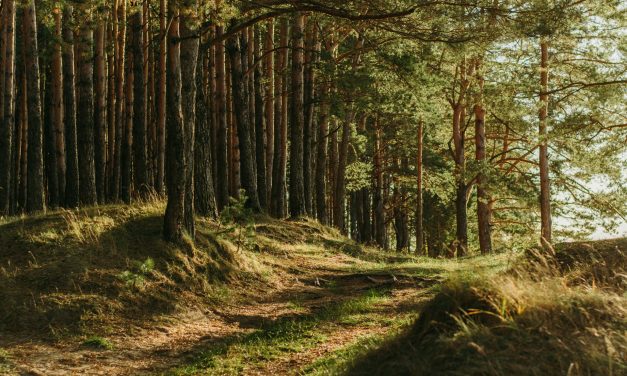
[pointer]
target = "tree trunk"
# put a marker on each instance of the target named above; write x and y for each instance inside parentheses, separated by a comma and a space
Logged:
(377, 200)
(8, 107)
(340, 178)
(296, 186)
(161, 99)
(222, 177)
(280, 127)
(100, 87)
(311, 41)
(240, 107)
(269, 104)
(120, 97)
(189, 59)
(126, 161)
(175, 148)
(545, 187)
(50, 156)
(260, 132)
(321, 158)
(205, 203)
(57, 105)
(69, 111)
(419, 203)
(140, 128)
(85, 116)
(483, 198)
(35, 200)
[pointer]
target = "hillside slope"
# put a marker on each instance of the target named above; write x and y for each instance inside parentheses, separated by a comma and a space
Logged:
(97, 291)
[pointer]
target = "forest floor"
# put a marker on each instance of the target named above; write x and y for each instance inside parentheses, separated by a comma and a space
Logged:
(290, 298)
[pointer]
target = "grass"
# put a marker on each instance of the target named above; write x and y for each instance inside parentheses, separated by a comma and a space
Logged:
(98, 342)
(535, 317)
(286, 335)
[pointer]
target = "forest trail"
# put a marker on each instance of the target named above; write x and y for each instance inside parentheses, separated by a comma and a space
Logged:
(321, 304)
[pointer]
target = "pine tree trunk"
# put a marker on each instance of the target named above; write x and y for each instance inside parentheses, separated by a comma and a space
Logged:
(377, 201)
(545, 185)
(222, 173)
(189, 61)
(321, 157)
(175, 148)
(242, 115)
(50, 156)
(100, 87)
(311, 41)
(419, 199)
(140, 128)
(483, 198)
(260, 125)
(35, 200)
(85, 116)
(8, 107)
(340, 179)
(296, 186)
(161, 99)
(69, 111)
(280, 127)
(269, 105)
(121, 121)
(205, 204)
(57, 104)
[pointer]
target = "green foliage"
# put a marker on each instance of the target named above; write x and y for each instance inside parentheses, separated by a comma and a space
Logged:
(97, 342)
(139, 271)
(238, 219)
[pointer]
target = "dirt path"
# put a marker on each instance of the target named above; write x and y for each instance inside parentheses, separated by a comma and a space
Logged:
(309, 286)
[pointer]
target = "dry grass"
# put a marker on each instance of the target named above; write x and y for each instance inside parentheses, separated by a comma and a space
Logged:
(555, 313)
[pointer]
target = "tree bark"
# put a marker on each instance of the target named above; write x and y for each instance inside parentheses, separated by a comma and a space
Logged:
(240, 106)
(321, 158)
(100, 87)
(296, 186)
(377, 201)
(140, 128)
(340, 178)
(57, 104)
(175, 179)
(483, 198)
(189, 59)
(205, 204)
(269, 104)
(260, 125)
(8, 107)
(161, 99)
(120, 97)
(35, 200)
(85, 116)
(222, 173)
(280, 127)
(69, 111)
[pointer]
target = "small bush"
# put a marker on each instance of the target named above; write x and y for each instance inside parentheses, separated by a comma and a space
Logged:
(98, 343)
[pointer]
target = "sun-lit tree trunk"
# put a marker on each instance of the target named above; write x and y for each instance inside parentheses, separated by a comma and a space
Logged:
(260, 124)
(296, 186)
(35, 200)
(175, 179)
(189, 61)
(7, 126)
(111, 55)
(69, 112)
(311, 41)
(545, 187)
(483, 198)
